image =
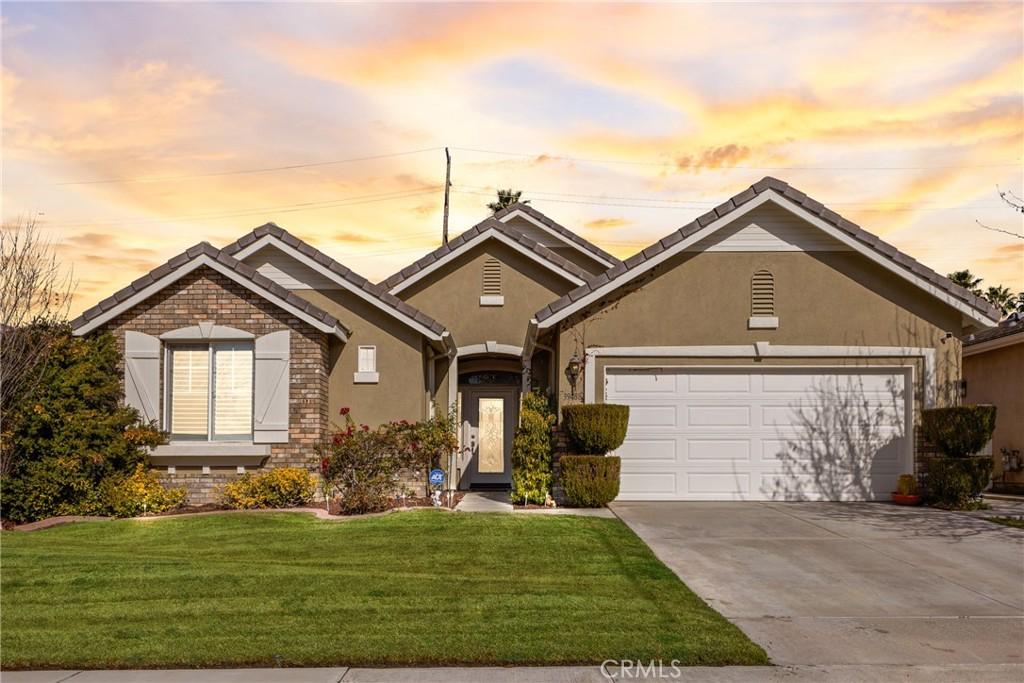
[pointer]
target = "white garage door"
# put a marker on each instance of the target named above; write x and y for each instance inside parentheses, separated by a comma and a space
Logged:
(763, 434)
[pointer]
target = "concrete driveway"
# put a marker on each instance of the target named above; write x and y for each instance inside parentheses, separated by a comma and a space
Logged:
(848, 583)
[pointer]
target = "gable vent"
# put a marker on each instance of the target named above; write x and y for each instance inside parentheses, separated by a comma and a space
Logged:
(762, 294)
(492, 278)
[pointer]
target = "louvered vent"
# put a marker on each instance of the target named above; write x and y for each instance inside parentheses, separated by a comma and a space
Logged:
(762, 294)
(492, 277)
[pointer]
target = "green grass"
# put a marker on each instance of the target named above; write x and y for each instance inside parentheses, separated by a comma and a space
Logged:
(1007, 521)
(424, 588)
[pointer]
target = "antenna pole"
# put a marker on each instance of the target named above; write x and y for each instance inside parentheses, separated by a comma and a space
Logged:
(447, 186)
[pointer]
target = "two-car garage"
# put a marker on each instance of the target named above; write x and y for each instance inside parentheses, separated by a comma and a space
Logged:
(765, 433)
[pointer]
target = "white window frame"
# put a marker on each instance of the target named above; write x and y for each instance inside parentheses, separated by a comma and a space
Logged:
(168, 392)
(366, 375)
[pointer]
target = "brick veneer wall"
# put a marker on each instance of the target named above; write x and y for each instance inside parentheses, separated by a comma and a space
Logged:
(207, 296)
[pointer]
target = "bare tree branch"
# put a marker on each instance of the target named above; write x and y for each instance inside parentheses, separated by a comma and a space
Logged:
(1005, 232)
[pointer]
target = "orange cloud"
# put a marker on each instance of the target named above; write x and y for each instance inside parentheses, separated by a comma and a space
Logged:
(606, 223)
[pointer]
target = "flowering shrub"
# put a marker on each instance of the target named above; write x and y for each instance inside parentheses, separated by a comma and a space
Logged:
(362, 465)
(278, 488)
(138, 493)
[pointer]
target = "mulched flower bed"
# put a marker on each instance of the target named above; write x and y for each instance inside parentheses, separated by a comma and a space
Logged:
(405, 503)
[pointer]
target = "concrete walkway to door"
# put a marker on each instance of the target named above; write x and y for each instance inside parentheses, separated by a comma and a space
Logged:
(848, 583)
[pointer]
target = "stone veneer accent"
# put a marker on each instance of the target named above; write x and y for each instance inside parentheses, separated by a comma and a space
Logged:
(206, 295)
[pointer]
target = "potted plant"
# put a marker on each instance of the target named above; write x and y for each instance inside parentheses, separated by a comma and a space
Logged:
(906, 491)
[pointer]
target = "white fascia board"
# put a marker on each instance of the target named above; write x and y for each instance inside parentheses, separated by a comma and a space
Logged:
(518, 213)
(480, 239)
(761, 350)
(198, 262)
(776, 198)
(492, 348)
(272, 241)
(993, 344)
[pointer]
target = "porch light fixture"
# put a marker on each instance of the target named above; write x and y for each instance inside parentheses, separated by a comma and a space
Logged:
(572, 372)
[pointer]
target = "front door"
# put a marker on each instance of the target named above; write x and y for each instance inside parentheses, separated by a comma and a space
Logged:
(489, 422)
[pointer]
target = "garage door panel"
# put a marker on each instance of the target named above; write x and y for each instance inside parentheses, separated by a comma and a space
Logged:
(765, 434)
(645, 383)
(718, 416)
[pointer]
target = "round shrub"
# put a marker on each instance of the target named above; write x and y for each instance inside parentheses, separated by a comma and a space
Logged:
(595, 427)
(959, 431)
(278, 488)
(590, 481)
(139, 493)
(957, 482)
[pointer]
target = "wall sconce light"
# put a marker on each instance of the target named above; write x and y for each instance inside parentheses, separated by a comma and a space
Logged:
(572, 372)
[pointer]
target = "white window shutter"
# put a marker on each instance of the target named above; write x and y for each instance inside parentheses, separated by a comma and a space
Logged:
(270, 405)
(142, 374)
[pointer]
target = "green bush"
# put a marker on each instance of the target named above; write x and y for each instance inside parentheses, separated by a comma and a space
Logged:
(277, 488)
(360, 466)
(590, 481)
(595, 428)
(70, 432)
(956, 483)
(959, 431)
(531, 450)
(139, 493)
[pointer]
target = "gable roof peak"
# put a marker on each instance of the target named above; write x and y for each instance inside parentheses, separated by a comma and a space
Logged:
(565, 233)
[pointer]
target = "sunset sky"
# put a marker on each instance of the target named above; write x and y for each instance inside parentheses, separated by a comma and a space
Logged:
(133, 131)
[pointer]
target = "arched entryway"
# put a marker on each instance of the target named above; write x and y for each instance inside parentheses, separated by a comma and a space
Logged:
(489, 385)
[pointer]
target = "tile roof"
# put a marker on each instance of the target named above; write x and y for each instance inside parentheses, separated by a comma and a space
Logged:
(278, 294)
(356, 280)
(1012, 325)
(480, 228)
(814, 207)
(560, 229)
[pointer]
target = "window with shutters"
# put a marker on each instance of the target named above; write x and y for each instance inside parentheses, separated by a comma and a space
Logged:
(762, 301)
(491, 291)
(210, 391)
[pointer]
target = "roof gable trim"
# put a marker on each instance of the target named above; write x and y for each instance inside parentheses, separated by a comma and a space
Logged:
(520, 213)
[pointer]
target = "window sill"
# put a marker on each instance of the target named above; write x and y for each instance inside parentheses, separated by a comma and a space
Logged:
(198, 453)
(365, 377)
(763, 323)
(492, 300)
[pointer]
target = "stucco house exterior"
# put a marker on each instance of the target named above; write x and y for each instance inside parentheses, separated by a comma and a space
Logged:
(769, 350)
(994, 374)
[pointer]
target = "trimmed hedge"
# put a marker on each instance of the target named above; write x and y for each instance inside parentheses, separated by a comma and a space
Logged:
(959, 431)
(595, 428)
(590, 481)
(277, 488)
(956, 483)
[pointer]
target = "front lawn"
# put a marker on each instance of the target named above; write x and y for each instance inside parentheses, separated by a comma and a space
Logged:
(1008, 521)
(412, 588)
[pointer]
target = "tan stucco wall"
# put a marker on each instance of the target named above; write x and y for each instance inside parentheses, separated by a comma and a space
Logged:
(452, 295)
(821, 298)
(994, 377)
(401, 393)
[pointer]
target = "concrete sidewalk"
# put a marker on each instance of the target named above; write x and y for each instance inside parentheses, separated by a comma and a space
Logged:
(974, 673)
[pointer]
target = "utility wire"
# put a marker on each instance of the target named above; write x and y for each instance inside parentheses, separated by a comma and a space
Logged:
(669, 162)
(247, 171)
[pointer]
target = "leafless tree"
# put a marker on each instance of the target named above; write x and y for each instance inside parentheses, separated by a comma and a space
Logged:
(1015, 203)
(35, 294)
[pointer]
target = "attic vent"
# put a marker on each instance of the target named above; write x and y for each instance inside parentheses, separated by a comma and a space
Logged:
(762, 294)
(492, 278)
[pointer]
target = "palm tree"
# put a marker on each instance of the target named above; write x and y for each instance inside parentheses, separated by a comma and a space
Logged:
(967, 280)
(1002, 298)
(506, 198)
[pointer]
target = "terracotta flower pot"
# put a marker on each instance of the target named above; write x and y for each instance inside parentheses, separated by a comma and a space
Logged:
(906, 498)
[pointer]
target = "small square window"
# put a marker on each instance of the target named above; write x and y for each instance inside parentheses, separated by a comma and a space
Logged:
(367, 359)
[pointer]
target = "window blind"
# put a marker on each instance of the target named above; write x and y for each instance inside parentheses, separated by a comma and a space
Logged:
(190, 392)
(232, 403)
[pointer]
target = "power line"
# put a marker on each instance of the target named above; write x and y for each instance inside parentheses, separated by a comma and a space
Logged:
(246, 171)
(282, 208)
(703, 207)
(669, 162)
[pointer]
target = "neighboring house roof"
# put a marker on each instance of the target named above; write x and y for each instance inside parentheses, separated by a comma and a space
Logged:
(771, 189)
(1010, 331)
(559, 230)
(274, 235)
(486, 229)
(205, 254)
